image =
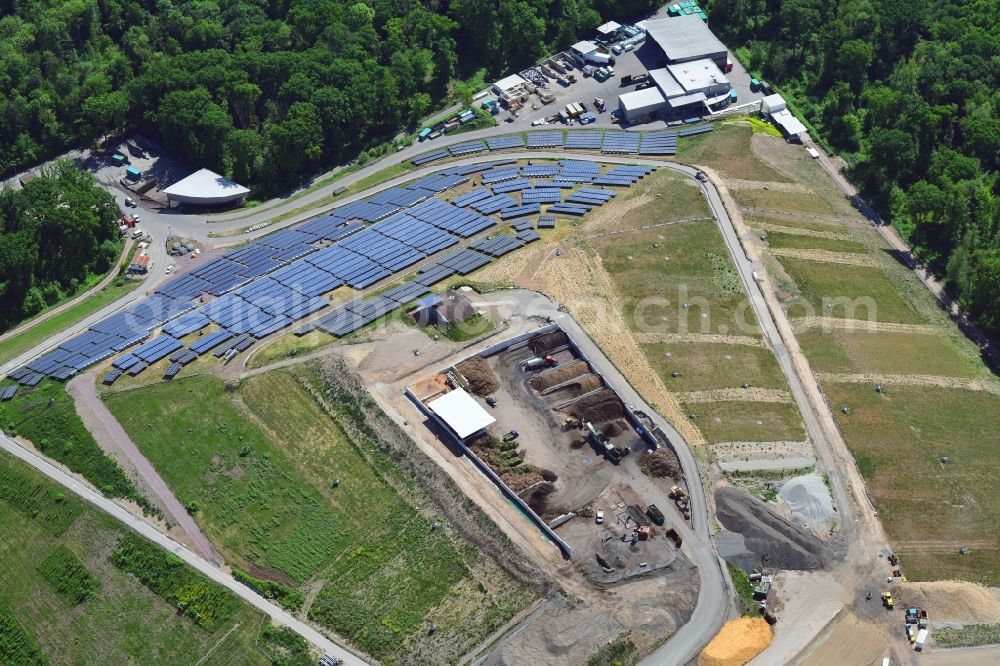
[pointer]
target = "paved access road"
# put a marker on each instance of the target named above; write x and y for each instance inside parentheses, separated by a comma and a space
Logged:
(84, 491)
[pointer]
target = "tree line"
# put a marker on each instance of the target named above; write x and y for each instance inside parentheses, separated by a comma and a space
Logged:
(265, 92)
(908, 92)
(54, 233)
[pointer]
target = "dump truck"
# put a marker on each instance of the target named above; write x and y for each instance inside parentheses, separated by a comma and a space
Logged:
(540, 362)
(655, 514)
(912, 613)
(887, 600)
(677, 493)
(922, 620)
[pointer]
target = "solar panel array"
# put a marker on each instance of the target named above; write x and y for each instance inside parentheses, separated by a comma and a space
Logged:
(505, 142)
(8, 392)
(620, 141)
(426, 158)
(591, 196)
(584, 139)
(406, 225)
(546, 221)
(692, 131)
(658, 143)
(522, 225)
(545, 139)
(520, 211)
(497, 246)
(624, 176)
(467, 148)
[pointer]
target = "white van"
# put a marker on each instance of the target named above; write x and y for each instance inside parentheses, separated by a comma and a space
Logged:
(136, 233)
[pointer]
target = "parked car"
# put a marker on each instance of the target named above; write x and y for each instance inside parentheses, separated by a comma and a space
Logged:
(600, 517)
(616, 49)
(129, 203)
(491, 401)
(539, 121)
(170, 269)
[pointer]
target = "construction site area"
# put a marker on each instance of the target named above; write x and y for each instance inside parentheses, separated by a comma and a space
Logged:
(535, 416)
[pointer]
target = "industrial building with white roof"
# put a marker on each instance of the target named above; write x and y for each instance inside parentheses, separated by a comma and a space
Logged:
(205, 188)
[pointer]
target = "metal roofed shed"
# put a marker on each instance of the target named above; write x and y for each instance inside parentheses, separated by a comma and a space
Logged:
(461, 413)
(609, 28)
(582, 48)
(776, 107)
(641, 103)
(205, 188)
(684, 38)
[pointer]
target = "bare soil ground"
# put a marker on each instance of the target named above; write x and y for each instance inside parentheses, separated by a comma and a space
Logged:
(849, 641)
(846, 258)
(752, 394)
(950, 601)
(748, 455)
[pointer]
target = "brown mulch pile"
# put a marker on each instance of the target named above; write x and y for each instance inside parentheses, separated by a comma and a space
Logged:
(662, 463)
(477, 371)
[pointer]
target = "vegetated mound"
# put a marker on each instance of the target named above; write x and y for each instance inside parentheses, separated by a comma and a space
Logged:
(661, 463)
(477, 371)
(598, 407)
(545, 343)
(786, 546)
(546, 380)
(738, 642)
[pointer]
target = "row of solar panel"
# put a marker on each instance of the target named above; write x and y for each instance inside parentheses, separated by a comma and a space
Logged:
(8, 392)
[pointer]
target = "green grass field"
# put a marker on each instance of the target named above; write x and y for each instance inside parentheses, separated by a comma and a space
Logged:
(76, 606)
(747, 421)
(778, 239)
(728, 150)
(855, 292)
(886, 352)
(706, 366)
(260, 463)
(46, 416)
(899, 438)
(786, 202)
(753, 219)
(657, 271)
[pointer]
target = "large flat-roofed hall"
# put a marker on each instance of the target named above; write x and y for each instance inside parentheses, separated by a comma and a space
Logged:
(685, 38)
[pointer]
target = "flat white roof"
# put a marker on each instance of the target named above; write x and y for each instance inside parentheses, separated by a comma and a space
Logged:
(788, 122)
(608, 27)
(461, 412)
(585, 47)
(773, 103)
(666, 82)
(509, 82)
(684, 37)
(677, 102)
(204, 186)
(641, 99)
(697, 75)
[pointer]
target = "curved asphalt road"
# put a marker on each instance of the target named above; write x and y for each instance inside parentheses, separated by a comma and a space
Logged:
(713, 601)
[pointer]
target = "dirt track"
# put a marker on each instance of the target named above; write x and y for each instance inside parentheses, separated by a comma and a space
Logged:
(105, 428)
(752, 394)
(846, 258)
(911, 380)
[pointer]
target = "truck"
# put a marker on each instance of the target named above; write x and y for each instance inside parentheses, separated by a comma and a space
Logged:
(133, 174)
(655, 514)
(912, 613)
(600, 58)
(540, 362)
(921, 639)
(922, 620)
(887, 600)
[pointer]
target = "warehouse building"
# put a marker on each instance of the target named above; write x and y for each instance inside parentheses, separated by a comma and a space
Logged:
(685, 88)
(684, 39)
(205, 188)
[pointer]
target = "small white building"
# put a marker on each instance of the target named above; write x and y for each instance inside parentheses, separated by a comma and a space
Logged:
(608, 29)
(777, 109)
(639, 104)
(511, 88)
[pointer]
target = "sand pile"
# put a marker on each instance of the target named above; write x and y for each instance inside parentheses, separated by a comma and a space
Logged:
(738, 642)
(482, 380)
(809, 499)
(765, 533)
(947, 600)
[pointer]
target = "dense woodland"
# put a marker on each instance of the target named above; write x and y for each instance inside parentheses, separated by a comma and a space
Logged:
(266, 92)
(54, 233)
(908, 91)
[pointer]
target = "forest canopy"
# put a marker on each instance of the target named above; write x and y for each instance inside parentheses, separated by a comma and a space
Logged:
(908, 92)
(264, 92)
(53, 233)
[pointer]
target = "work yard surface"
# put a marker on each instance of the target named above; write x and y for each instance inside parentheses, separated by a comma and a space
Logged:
(294, 488)
(74, 599)
(862, 319)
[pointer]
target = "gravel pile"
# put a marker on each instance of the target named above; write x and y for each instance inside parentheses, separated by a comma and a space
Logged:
(767, 535)
(809, 499)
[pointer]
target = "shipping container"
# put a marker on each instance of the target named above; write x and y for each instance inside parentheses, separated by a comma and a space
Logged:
(132, 173)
